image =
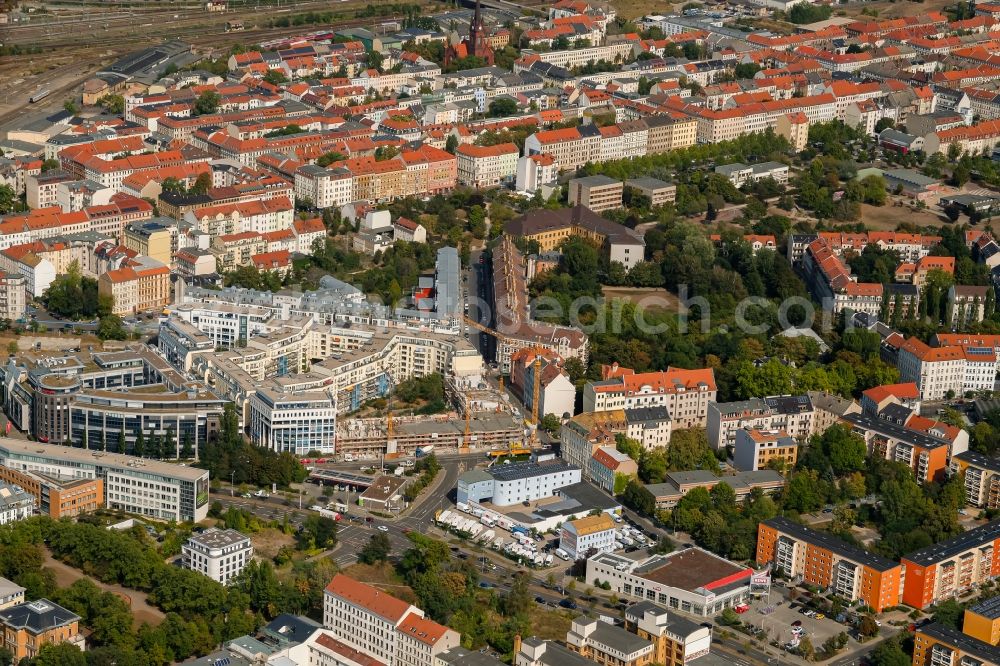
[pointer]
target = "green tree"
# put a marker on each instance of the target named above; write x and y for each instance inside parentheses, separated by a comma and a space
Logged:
(502, 106)
(8, 199)
(376, 550)
(208, 102)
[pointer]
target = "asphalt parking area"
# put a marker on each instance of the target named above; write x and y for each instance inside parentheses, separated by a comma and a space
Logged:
(778, 623)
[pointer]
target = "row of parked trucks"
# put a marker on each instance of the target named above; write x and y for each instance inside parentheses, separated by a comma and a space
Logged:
(486, 530)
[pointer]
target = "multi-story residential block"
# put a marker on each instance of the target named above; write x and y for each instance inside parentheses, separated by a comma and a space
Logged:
(598, 193)
(943, 371)
(967, 305)
(607, 644)
(556, 393)
(607, 464)
(982, 621)
(921, 444)
(506, 485)
(982, 478)
(325, 188)
(219, 554)
(143, 286)
(28, 626)
(817, 558)
(578, 537)
(486, 166)
(685, 393)
(935, 643)
(793, 414)
(377, 624)
(42, 189)
(156, 239)
(13, 295)
(877, 398)
(830, 281)
(676, 640)
(536, 170)
(761, 449)
(951, 567)
(15, 503)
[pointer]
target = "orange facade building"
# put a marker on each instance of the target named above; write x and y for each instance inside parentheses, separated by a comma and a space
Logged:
(936, 643)
(951, 567)
(823, 560)
(58, 498)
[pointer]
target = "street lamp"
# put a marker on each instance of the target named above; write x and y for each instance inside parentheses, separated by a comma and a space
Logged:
(232, 482)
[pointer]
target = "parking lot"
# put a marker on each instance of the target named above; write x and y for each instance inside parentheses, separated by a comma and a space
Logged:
(777, 616)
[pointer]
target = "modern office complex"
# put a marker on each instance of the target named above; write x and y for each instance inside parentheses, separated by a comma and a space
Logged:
(134, 485)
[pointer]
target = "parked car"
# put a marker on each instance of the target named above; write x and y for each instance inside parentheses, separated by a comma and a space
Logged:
(568, 603)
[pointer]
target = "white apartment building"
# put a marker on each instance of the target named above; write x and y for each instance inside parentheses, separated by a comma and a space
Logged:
(486, 166)
(13, 295)
(15, 503)
(218, 554)
(792, 413)
(577, 537)
(381, 626)
(685, 393)
(326, 188)
(938, 370)
(533, 171)
(295, 422)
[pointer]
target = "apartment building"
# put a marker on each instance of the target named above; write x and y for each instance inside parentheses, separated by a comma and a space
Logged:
(685, 393)
(831, 283)
(676, 640)
(578, 537)
(921, 444)
(763, 449)
(218, 554)
(377, 624)
(937, 644)
(952, 567)
(967, 305)
(607, 644)
(982, 621)
(143, 286)
(13, 295)
(325, 188)
(942, 371)
(598, 193)
(982, 478)
(818, 558)
(15, 503)
(486, 166)
(30, 625)
(793, 414)
(156, 239)
(556, 393)
(607, 465)
(536, 170)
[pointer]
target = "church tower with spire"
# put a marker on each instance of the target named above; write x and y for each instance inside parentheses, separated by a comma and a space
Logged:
(476, 44)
